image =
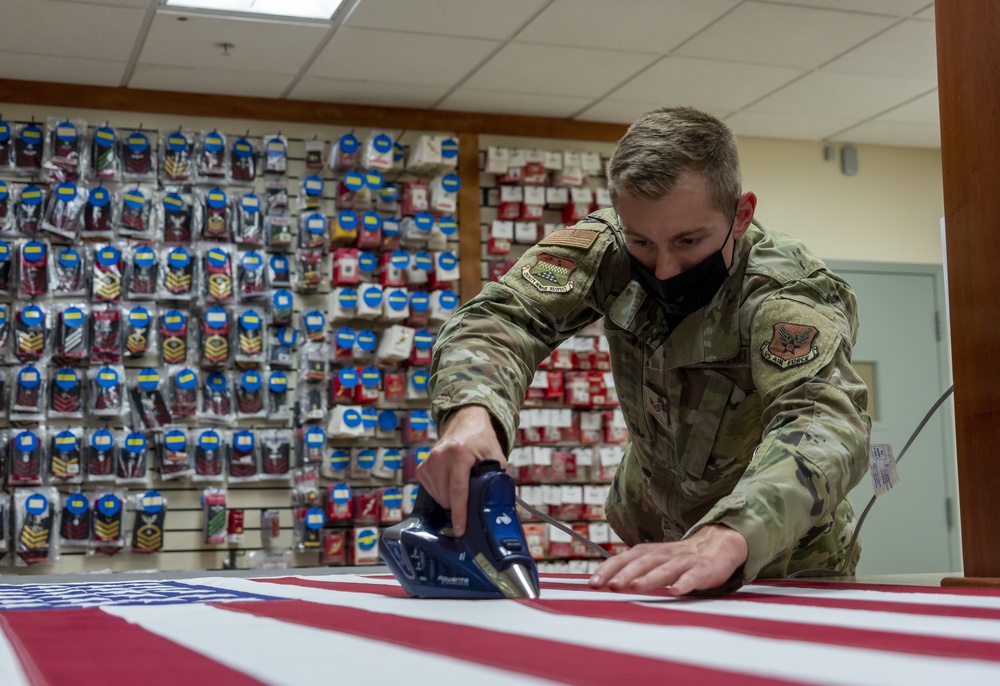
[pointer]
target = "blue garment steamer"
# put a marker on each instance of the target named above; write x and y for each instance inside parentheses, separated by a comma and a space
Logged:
(490, 560)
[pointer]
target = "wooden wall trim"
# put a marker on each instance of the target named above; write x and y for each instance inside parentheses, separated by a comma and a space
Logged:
(968, 61)
(469, 201)
(312, 112)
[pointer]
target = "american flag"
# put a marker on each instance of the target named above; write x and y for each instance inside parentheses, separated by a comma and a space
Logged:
(361, 628)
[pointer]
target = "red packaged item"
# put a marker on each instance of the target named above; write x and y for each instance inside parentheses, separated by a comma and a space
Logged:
(339, 502)
(423, 344)
(578, 549)
(34, 270)
(362, 546)
(390, 505)
(415, 198)
(345, 267)
(107, 275)
(173, 337)
(333, 550)
(106, 337)
(367, 391)
(342, 386)
(365, 505)
(394, 387)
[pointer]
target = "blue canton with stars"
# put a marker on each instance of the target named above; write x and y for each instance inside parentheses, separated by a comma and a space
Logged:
(75, 596)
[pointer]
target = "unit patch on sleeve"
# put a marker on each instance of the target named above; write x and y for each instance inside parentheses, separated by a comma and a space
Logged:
(791, 345)
(573, 238)
(549, 273)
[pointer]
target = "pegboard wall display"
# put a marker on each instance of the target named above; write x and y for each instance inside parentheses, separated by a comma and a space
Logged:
(215, 345)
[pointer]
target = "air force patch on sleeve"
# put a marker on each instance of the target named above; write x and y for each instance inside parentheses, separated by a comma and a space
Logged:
(549, 273)
(791, 345)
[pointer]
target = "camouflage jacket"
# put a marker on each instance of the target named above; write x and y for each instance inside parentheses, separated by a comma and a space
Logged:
(748, 414)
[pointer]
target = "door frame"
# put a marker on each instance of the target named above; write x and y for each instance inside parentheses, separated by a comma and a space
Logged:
(943, 380)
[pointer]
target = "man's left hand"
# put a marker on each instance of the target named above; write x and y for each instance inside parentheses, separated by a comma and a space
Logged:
(704, 561)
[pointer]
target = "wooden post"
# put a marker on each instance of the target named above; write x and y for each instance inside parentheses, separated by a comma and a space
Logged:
(469, 239)
(968, 73)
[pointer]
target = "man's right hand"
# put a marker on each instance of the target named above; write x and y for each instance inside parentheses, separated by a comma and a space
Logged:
(466, 437)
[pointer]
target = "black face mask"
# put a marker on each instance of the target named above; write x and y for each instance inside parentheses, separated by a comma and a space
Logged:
(690, 290)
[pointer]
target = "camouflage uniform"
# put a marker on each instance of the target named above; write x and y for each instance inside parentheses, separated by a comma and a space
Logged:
(748, 414)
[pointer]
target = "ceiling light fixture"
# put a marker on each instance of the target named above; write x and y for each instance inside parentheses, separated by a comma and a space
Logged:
(306, 9)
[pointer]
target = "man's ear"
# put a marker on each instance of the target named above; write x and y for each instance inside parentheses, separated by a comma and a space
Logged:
(745, 208)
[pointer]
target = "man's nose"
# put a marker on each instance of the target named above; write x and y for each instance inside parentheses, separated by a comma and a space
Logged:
(667, 265)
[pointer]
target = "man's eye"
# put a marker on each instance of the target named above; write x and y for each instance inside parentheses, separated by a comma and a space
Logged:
(638, 242)
(688, 241)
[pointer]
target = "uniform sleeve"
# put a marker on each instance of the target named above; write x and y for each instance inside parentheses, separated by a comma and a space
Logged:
(816, 436)
(487, 353)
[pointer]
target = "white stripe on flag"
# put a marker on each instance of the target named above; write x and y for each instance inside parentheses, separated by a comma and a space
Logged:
(943, 599)
(712, 648)
(11, 673)
(283, 653)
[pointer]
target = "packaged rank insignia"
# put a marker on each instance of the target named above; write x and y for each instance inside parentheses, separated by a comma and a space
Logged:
(146, 399)
(314, 153)
(311, 193)
(27, 401)
(275, 154)
(311, 402)
(312, 445)
(216, 215)
(147, 528)
(140, 332)
(214, 504)
(278, 406)
(138, 157)
(249, 220)
(132, 458)
(98, 214)
(66, 455)
(176, 167)
(4, 389)
(281, 307)
(65, 148)
(33, 270)
(277, 232)
(243, 164)
(244, 457)
(66, 274)
(141, 272)
(308, 270)
(182, 393)
(387, 199)
(217, 271)
(276, 453)
(251, 276)
(66, 393)
(5, 511)
(212, 156)
(313, 231)
(64, 210)
(344, 153)
(135, 213)
(176, 459)
(215, 347)
(173, 337)
(370, 235)
(210, 451)
(276, 198)
(176, 274)
(28, 143)
(7, 224)
(36, 519)
(71, 332)
(250, 395)
(6, 260)
(176, 217)
(282, 347)
(378, 151)
(101, 453)
(279, 271)
(108, 522)
(216, 405)
(6, 147)
(107, 391)
(74, 529)
(106, 335)
(314, 357)
(31, 328)
(27, 457)
(250, 336)
(105, 156)
(28, 209)
(108, 270)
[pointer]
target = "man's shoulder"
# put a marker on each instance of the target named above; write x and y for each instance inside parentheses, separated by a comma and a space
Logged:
(781, 257)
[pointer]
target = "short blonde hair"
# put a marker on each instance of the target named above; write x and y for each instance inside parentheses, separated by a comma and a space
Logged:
(661, 146)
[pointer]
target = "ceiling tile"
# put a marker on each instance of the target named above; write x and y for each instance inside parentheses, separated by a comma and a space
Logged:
(367, 92)
(887, 133)
(469, 18)
(896, 8)
(923, 110)
(215, 81)
(557, 70)
(60, 69)
(705, 83)
(908, 49)
(271, 48)
(783, 35)
(785, 126)
(472, 100)
(852, 96)
(642, 25)
(396, 57)
(42, 27)
(627, 111)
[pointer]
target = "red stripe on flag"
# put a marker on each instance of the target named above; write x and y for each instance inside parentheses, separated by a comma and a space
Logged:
(89, 647)
(882, 588)
(548, 659)
(349, 586)
(852, 637)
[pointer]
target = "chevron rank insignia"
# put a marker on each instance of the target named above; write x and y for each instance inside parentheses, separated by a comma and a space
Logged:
(573, 238)
(550, 274)
(791, 345)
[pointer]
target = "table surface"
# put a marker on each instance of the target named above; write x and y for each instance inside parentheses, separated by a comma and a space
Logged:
(256, 628)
